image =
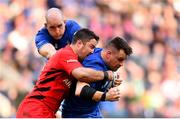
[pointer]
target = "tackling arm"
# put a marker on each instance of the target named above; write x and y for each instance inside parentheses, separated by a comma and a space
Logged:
(90, 75)
(47, 50)
(83, 90)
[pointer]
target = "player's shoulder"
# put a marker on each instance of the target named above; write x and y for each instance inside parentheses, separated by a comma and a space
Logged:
(66, 51)
(71, 27)
(71, 22)
(95, 56)
(42, 35)
(96, 50)
(43, 31)
(94, 60)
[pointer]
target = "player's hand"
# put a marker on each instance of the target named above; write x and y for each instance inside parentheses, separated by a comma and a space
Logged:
(110, 75)
(113, 94)
(117, 82)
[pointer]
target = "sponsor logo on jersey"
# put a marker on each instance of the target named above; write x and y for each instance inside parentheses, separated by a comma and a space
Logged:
(67, 82)
(72, 60)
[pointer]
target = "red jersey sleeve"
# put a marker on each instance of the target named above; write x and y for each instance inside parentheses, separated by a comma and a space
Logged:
(69, 60)
(70, 64)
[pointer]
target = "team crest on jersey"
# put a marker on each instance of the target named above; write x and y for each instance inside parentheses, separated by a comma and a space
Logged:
(72, 60)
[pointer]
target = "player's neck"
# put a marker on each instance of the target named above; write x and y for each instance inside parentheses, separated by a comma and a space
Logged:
(74, 48)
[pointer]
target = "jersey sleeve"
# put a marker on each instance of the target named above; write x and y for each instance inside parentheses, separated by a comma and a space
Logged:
(41, 39)
(71, 66)
(69, 62)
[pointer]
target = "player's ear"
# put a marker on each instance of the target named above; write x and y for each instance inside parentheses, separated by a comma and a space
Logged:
(79, 43)
(108, 54)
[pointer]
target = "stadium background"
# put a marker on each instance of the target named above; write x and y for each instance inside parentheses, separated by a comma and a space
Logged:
(151, 76)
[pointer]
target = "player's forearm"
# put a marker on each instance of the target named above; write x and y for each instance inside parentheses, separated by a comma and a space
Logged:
(86, 92)
(88, 75)
(97, 96)
(47, 51)
(113, 94)
(46, 54)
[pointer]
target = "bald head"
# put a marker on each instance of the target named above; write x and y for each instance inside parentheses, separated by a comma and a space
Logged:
(53, 14)
(55, 23)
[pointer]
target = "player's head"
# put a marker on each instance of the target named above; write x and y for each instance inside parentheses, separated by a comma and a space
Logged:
(55, 23)
(85, 41)
(116, 52)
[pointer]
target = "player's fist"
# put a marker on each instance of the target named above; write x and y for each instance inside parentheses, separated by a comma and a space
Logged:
(116, 80)
(113, 94)
(110, 75)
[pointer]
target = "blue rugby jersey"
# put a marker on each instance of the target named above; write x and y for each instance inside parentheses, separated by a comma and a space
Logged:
(43, 36)
(73, 106)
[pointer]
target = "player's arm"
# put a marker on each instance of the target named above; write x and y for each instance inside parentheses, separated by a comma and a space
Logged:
(84, 91)
(90, 75)
(47, 50)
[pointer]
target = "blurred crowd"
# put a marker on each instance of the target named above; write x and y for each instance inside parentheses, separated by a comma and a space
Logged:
(151, 76)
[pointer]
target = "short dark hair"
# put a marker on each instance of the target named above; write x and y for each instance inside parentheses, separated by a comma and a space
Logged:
(119, 43)
(84, 35)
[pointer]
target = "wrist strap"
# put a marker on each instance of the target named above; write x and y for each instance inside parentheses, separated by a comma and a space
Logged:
(103, 97)
(106, 76)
